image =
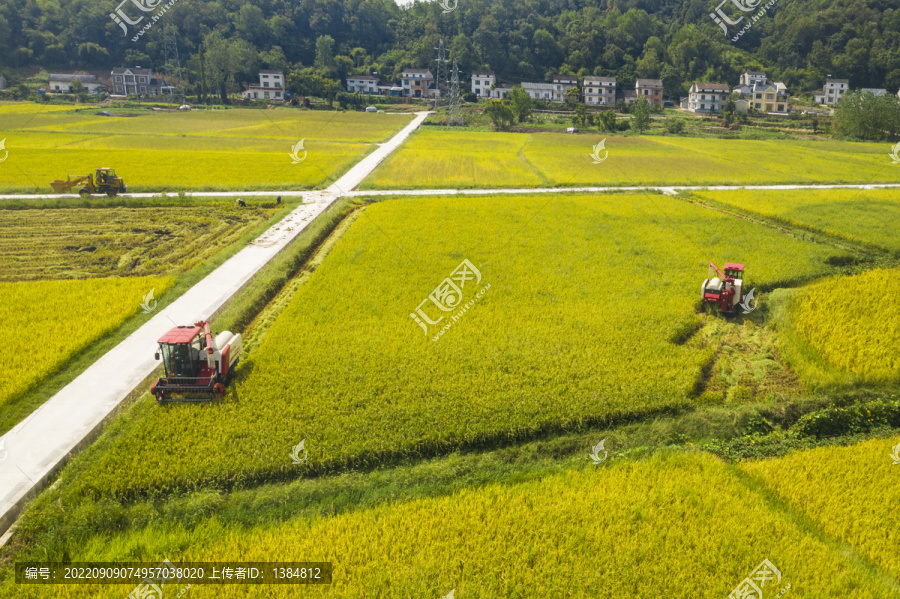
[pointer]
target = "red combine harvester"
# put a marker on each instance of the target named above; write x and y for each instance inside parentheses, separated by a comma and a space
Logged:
(726, 290)
(197, 366)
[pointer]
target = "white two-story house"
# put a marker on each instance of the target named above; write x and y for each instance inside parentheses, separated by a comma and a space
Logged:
(364, 84)
(271, 87)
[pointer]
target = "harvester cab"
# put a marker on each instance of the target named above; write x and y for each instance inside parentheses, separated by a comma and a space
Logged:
(197, 366)
(724, 289)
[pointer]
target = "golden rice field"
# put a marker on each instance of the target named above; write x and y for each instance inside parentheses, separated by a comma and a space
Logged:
(844, 330)
(445, 160)
(198, 150)
(102, 242)
(585, 294)
(43, 324)
(869, 216)
(676, 525)
(850, 493)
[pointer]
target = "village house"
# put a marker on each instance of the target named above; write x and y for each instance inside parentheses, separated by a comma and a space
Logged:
(707, 97)
(748, 80)
(363, 84)
(766, 97)
(500, 91)
(482, 82)
(561, 84)
(128, 81)
(599, 91)
(538, 91)
(650, 89)
(417, 83)
(832, 91)
(875, 91)
(271, 87)
(62, 84)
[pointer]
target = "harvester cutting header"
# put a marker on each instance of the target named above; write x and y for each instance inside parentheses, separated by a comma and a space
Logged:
(198, 367)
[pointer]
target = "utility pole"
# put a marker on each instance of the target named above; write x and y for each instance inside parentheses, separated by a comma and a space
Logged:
(440, 75)
(172, 69)
(455, 100)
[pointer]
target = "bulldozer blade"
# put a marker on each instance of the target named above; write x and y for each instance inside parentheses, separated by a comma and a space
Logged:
(60, 186)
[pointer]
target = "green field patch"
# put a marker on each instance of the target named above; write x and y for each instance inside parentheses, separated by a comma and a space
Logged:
(198, 150)
(477, 159)
(586, 293)
(675, 525)
(436, 160)
(869, 216)
(45, 323)
(843, 330)
(850, 493)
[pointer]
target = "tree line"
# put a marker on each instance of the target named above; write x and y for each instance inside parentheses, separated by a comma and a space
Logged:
(319, 42)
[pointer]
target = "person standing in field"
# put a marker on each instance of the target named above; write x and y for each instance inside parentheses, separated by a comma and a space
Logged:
(241, 202)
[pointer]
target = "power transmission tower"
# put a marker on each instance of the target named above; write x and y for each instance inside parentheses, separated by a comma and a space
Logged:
(440, 75)
(455, 101)
(172, 69)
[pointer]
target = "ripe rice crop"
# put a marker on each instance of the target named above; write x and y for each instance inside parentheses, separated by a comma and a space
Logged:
(850, 493)
(586, 293)
(680, 526)
(490, 160)
(103, 242)
(845, 330)
(44, 323)
(224, 149)
(870, 216)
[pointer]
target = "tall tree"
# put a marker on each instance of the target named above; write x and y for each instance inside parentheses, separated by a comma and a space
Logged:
(640, 119)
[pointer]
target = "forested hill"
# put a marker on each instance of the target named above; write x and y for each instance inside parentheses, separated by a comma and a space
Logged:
(795, 41)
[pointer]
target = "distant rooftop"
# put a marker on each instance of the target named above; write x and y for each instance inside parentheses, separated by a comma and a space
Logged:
(70, 78)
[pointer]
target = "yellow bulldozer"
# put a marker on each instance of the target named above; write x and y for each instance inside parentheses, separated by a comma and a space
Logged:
(104, 182)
